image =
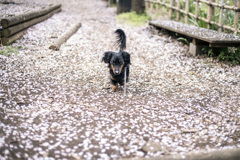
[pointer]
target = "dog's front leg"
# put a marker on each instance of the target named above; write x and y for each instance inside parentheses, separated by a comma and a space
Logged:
(115, 88)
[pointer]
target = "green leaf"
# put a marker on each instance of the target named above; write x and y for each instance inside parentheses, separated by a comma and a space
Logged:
(183, 39)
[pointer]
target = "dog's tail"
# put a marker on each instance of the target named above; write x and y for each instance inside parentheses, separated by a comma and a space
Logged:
(121, 39)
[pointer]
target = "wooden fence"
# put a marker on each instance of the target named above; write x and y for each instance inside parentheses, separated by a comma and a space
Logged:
(178, 8)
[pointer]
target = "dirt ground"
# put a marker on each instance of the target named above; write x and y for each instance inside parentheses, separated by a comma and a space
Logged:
(58, 104)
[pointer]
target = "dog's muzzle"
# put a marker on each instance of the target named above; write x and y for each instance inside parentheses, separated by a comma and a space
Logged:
(116, 70)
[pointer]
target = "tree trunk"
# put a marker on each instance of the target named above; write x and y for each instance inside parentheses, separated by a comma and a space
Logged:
(138, 6)
(123, 6)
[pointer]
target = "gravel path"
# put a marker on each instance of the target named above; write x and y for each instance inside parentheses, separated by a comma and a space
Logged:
(57, 104)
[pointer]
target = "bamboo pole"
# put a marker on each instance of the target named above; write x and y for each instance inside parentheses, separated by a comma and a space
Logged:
(146, 4)
(226, 16)
(163, 6)
(210, 14)
(213, 3)
(236, 17)
(178, 10)
(221, 17)
(157, 7)
(151, 7)
(186, 10)
(196, 10)
(171, 8)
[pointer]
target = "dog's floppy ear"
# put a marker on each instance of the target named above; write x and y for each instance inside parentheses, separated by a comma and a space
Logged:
(107, 57)
(126, 57)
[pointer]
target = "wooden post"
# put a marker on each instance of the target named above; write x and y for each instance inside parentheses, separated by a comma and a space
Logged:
(178, 11)
(170, 9)
(151, 7)
(236, 17)
(196, 10)
(186, 11)
(163, 7)
(149, 4)
(226, 16)
(211, 12)
(157, 8)
(221, 17)
(146, 4)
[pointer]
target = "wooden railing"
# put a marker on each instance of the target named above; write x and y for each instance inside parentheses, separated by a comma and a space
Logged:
(174, 6)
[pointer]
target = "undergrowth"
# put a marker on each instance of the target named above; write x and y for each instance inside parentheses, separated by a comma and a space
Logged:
(133, 18)
(9, 50)
(229, 54)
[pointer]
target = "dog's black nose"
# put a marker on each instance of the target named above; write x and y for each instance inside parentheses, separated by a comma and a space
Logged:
(116, 72)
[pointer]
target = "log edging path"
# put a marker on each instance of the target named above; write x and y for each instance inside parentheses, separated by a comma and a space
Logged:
(15, 27)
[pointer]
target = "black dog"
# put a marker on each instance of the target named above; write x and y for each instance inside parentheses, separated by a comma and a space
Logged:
(118, 61)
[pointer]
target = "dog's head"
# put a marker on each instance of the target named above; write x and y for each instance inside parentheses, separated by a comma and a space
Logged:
(116, 61)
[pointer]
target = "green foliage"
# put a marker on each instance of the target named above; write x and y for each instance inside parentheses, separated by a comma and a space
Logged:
(209, 51)
(113, 3)
(183, 39)
(202, 12)
(8, 50)
(230, 54)
(133, 19)
(4, 53)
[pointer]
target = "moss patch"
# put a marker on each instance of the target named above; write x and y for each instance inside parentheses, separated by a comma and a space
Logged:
(133, 19)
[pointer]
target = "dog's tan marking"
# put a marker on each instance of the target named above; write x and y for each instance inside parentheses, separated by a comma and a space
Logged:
(112, 68)
(115, 88)
(113, 78)
(121, 67)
